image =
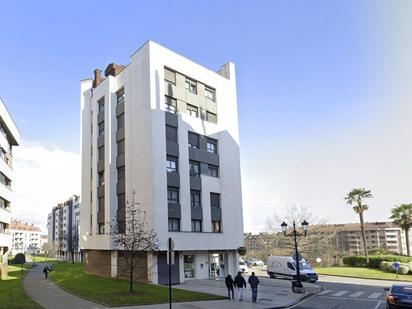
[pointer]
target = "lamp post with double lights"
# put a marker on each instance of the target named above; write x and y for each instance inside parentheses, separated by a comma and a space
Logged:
(296, 283)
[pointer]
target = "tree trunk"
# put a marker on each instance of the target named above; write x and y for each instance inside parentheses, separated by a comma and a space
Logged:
(407, 241)
(72, 257)
(363, 237)
(131, 279)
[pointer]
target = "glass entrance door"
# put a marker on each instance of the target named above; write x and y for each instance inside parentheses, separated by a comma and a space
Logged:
(218, 263)
(189, 266)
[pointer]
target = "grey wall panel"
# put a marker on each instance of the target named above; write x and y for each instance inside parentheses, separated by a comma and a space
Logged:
(100, 191)
(197, 212)
(173, 179)
(172, 149)
(100, 117)
(100, 166)
(121, 187)
(120, 161)
(174, 211)
(195, 183)
(203, 156)
(100, 141)
(119, 134)
(119, 109)
(204, 169)
(100, 217)
(163, 269)
(203, 143)
(121, 214)
(171, 119)
(216, 213)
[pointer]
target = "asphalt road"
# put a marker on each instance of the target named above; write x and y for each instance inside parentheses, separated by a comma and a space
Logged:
(347, 293)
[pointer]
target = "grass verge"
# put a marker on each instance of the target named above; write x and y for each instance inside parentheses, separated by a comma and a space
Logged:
(12, 293)
(114, 292)
(362, 272)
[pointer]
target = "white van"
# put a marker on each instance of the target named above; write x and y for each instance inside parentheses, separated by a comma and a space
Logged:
(285, 266)
(243, 266)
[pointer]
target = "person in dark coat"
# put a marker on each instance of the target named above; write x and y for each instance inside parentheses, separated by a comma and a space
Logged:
(229, 285)
(254, 282)
(45, 271)
(240, 283)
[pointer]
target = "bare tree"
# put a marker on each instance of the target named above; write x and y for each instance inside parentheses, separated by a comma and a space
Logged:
(137, 236)
(74, 246)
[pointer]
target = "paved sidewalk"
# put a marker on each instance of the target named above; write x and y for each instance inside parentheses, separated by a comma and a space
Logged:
(272, 294)
(50, 296)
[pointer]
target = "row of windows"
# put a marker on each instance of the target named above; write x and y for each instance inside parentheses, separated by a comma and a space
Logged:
(171, 107)
(190, 84)
(194, 167)
(193, 139)
(197, 225)
(195, 197)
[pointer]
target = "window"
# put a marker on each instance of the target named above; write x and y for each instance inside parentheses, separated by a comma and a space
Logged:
(192, 110)
(211, 145)
(171, 104)
(174, 225)
(290, 266)
(171, 134)
(120, 96)
(173, 195)
(101, 153)
(101, 228)
(214, 199)
(120, 121)
(170, 76)
(121, 201)
(101, 128)
(101, 178)
(121, 174)
(195, 198)
(193, 140)
(210, 93)
(120, 147)
(216, 227)
(213, 170)
(101, 204)
(101, 104)
(211, 117)
(191, 86)
(196, 225)
(171, 164)
(194, 168)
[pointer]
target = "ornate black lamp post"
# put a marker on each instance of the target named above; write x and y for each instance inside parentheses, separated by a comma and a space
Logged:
(296, 283)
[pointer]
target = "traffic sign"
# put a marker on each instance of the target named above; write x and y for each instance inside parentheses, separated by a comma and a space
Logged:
(299, 257)
(396, 265)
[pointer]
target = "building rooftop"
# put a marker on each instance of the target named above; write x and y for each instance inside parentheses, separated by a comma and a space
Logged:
(23, 226)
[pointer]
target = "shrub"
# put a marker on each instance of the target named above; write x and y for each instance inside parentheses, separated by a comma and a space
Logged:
(386, 266)
(376, 260)
(20, 258)
(403, 270)
(354, 261)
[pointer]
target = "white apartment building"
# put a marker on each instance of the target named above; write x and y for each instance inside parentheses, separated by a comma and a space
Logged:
(9, 137)
(165, 128)
(25, 238)
(63, 230)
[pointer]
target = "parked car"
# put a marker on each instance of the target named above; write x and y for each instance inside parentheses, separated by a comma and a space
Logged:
(285, 266)
(243, 267)
(258, 263)
(248, 263)
(399, 296)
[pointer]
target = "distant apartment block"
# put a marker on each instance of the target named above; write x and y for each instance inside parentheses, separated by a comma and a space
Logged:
(165, 128)
(25, 238)
(63, 230)
(9, 137)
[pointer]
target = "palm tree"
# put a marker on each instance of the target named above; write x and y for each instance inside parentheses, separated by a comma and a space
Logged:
(356, 197)
(402, 217)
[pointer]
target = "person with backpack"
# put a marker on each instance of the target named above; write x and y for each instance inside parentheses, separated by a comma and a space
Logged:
(240, 283)
(229, 285)
(45, 271)
(254, 282)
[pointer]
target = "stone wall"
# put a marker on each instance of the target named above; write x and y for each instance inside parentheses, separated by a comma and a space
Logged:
(140, 272)
(98, 262)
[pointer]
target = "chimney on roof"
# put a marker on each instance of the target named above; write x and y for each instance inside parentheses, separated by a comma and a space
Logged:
(113, 69)
(97, 78)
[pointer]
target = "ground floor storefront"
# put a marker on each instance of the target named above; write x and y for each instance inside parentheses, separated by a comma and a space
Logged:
(152, 267)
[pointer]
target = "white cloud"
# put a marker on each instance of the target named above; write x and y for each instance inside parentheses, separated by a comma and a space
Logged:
(43, 177)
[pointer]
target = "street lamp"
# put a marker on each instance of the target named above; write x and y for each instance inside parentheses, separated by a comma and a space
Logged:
(296, 283)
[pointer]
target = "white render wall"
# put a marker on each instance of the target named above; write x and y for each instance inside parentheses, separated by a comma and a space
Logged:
(143, 82)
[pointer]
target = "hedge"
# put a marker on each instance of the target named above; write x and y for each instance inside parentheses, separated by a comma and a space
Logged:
(403, 270)
(374, 260)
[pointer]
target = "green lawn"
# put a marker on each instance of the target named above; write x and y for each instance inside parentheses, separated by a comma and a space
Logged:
(361, 272)
(72, 278)
(12, 294)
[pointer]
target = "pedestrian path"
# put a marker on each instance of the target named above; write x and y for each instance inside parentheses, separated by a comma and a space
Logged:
(351, 294)
(50, 296)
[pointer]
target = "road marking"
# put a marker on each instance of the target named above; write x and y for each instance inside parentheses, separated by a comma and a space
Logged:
(375, 295)
(340, 293)
(357, 294)
(324, 292)
(378, 304)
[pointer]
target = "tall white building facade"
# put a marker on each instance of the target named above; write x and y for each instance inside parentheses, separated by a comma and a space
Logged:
(63, 225)
(25, 238)
(9, 137)
(165, 128)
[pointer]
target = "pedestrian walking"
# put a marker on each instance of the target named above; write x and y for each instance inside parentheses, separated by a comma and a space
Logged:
(240, 283)
(229, 285)
(253, 282)
(45, 271)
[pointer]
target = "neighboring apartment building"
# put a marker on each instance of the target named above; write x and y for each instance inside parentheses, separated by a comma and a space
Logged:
(165, 128)
(44, 246)
(9, 137)
(25, 238)
(63, 230)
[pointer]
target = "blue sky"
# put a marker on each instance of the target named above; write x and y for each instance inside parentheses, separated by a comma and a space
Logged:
(324, 87)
